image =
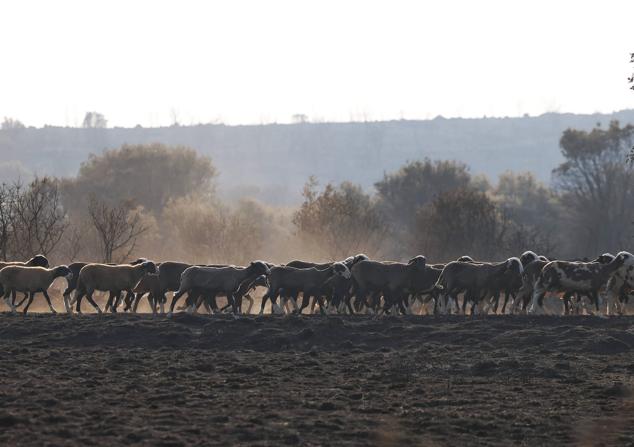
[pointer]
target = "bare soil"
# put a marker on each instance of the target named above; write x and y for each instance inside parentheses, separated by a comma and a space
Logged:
(314, 380)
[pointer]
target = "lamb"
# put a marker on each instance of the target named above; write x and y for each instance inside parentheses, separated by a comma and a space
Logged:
(109, 278)
(473, 278)
(575, 277)
(218, 280)
(310, 281)
(392, 279)
(30, 280)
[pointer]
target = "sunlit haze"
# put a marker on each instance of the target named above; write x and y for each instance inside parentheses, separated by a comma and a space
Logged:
(156, 62)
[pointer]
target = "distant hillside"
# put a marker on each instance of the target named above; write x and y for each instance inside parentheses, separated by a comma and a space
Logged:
(272, 162)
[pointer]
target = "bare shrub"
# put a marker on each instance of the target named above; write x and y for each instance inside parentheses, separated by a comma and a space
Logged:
(118, 228)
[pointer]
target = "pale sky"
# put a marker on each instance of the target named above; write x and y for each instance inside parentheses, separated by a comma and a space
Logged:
(146, 62)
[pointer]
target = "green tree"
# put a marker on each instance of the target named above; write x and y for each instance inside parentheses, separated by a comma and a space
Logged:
(401, 194)
(597, 188)
(94, 120)
(11, 124)
(533, 208)
(460, 222)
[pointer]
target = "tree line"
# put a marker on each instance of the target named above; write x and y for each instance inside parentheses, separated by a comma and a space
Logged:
(160, 201)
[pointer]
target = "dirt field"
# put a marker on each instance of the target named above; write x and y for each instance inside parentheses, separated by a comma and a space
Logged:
(312, 380)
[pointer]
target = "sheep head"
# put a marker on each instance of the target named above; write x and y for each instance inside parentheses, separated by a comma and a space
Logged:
(340, 269)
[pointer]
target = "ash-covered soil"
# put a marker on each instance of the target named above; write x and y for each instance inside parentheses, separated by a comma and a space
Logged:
(314, 380)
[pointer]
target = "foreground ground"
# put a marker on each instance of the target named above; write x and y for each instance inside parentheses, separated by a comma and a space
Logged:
(315, 380)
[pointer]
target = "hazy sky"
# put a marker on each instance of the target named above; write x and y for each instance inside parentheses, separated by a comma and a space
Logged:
(146, 62)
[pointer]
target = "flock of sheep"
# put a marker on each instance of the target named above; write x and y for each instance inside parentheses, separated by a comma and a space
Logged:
(354, 285)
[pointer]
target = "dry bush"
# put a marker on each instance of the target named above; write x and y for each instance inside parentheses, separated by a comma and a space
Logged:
(339, 221)
(464, 221)
(147, 175)
(203, 231)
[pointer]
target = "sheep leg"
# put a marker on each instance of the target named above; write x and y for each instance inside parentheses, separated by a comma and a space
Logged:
(251, 302)
(162, 301)
(401, 299)
(109, 303)
(497, 302)
(67, 302)
(208, 307)
(266, 296)
(238, 300)
(305, 302)
(13, 295)
(293, 299)
(128, 301)
(449, 300)
(48, 301)
(175, 298)
(92, 302)
(595, 298)
(136, 301)
(26, 308)
(348, 302)
(464, 303)
(474, 309)
(7, 294)
(539, 291)
(78, 297)
(119, 299)
(312, 306)
(507, 294)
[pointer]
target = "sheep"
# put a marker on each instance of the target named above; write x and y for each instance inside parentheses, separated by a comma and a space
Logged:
(423, 285)
(30, 280)
(575, 277)
(618, 285)
(150, 284)
(244, 290)
(529, 277)
(473, 279)
(75, 268)
(35, 261)
(109, 278)
(392, 279)
(527, 257)
(218, 280)
(510, 283)
(329, 289)
(208, 297)
(310, 281)
(340, 291)
(349, 262)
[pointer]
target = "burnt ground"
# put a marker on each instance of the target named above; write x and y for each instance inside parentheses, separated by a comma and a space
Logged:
(313, 380)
